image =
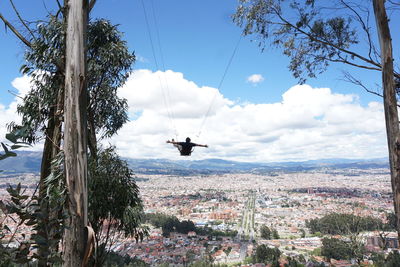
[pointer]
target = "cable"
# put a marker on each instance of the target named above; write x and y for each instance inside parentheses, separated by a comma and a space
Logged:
(168, 97)
(219, 85)
(166, 102)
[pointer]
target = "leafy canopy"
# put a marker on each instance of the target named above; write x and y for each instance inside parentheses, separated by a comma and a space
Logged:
(108, 67)
(311, 33)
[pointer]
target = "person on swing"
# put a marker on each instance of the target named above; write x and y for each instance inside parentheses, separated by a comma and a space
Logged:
(185, 147)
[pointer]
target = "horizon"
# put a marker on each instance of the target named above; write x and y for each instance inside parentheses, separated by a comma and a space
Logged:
(188, 159)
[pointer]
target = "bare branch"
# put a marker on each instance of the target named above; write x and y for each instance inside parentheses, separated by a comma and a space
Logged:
(364, 26)
(91, 5)
(14, 94)
(60, 8)
(394, 3)
(22, 21)
(350, 78)
(342, 60)
(327, 43)
(59, 4)
(12, 28)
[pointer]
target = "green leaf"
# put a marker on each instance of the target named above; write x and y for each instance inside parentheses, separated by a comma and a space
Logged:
(40, 240)
(11, 137)
(17, 146)
(7, 228)
(4, 147)
(11, 154)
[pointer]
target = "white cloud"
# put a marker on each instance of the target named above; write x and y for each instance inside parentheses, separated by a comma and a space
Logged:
(308, 123)
(141, 59)
(8, 113)
(255, 79)
(168, 93)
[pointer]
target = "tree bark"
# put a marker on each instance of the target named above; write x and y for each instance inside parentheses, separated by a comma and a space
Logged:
(389, 102)
(75, 133)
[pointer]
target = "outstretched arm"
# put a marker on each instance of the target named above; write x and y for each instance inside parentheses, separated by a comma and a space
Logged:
(202, 145)
(172, 142)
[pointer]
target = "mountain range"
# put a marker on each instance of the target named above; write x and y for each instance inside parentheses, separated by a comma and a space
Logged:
(29, 162)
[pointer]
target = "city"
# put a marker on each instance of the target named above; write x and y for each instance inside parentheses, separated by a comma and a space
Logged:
(245, 202)
(237, 205)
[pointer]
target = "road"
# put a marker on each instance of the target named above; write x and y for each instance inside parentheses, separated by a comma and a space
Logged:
(246, 231)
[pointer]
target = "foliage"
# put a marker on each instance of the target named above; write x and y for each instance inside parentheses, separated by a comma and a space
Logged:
(207, 231)
(333, 248)
(206, 264)
(114, 259)
(170, 224)
(311, 34)
(378, 259)
(25, 211)
(340, 223)
(265, 232)
(50, 223)
(391, 225)
(309, 37)
(26, 208)
(292, 262)
(112, 211)
(275, 234)
(302, 233)
(15, 137)
(44, 64)
(393, 259)
(108, 66)
(156, 219)
(22, 209)
(265, 254)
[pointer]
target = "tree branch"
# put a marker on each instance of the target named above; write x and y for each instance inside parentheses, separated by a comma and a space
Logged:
(363, 26)
(327, 43)
(19, 35)
(393, 2)
(345, 61)
(350, 78)
(22, 21)
(60, 8)
(91, 5)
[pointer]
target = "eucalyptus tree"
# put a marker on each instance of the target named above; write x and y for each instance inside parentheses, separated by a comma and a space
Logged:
(115, 211)
(315, 34)
(109, 63)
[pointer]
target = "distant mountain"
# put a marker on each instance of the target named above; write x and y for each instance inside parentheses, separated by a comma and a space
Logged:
(215, 166)
(24, 162)
(30, 162)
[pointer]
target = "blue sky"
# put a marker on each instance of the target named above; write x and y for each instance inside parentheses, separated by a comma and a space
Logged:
(197, 39)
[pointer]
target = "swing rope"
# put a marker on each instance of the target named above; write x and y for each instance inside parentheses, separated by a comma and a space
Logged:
(219, 86)
(166, 91)
(166, 96)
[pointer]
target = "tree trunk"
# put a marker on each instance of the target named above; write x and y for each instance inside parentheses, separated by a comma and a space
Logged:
(389, 102)
(92, 139)
(50, 150)
(45, 170)
(75, 133)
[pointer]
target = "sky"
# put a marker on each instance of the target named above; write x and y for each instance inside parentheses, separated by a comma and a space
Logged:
(260, 113)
